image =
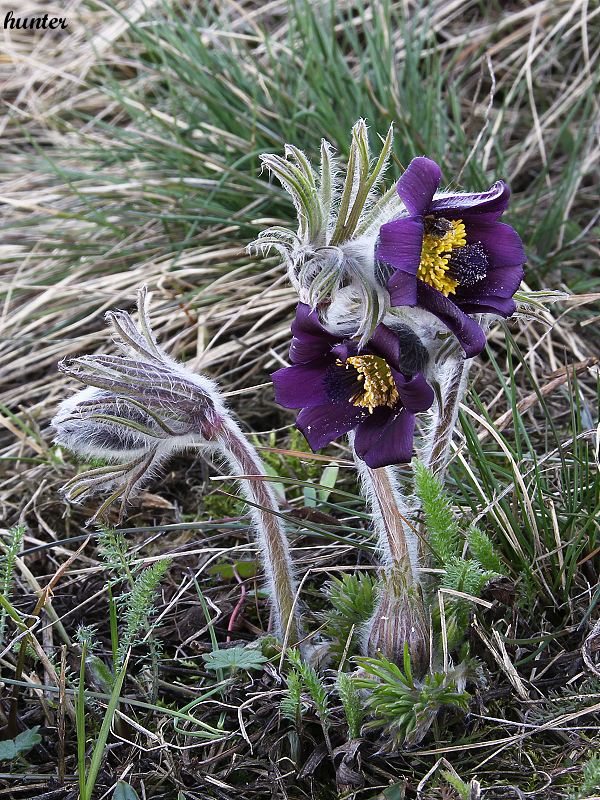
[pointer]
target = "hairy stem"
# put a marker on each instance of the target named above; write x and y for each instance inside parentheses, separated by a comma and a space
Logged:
(435, 452)
(396, 539)
(399, 620)
(244, 460)
(453, 384)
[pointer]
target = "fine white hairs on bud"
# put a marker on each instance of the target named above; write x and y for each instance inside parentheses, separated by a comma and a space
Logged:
(331, 255)
(399, 622)
(140, 407)
(136, 410)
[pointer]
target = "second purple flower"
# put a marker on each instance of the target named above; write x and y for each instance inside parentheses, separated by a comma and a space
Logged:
(341, 388)
(451, 255)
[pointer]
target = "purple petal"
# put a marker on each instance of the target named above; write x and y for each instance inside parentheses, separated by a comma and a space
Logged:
(416, 394)
(502, 243)
(466, 330)
(386, 343)
(493, 202)
(322, 424)
(505, 307)
(418, 184)
(381, 441)
(311, 341)
(399, 244)
(402, 288)
(501, 282)
(301, 385)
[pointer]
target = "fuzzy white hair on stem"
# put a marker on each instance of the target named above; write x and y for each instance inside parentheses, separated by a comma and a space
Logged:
(391, 510)
(137, 409)
(399, 619)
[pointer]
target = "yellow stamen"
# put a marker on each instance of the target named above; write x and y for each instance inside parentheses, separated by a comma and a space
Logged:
(378, 387)
(435, 256)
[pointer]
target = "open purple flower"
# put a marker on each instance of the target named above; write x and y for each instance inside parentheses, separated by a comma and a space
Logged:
(341, 388)
(450, 255)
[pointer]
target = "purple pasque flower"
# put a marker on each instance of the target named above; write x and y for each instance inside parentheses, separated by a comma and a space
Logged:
(451, 256)
(341, 388)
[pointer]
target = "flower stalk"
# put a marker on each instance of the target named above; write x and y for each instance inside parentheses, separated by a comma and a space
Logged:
(399, 619)
(139, 408)
(244, 460)
(395, 537)
(452, 377)
(393, 285)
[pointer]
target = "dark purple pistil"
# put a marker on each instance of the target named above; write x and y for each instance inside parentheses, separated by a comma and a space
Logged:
(469, 264)
(342, 383)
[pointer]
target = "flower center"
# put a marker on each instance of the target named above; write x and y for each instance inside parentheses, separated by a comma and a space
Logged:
(441, 238)
(469, 264)
(378, 387)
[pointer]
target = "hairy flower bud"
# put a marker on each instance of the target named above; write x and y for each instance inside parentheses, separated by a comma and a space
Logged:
(140, 407)
(137, 409)
(399, 620)
(330, 258)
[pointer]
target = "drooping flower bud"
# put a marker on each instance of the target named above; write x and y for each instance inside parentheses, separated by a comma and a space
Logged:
(137, 409)
(140, 407)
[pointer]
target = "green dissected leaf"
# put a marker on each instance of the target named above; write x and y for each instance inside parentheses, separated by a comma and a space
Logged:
(403, 707)
(305, 674)
(7, 566)
(234, 658)
(483, 550)
(442, 526)
(139, 605)
(462, 575)
(123, 791)
(21, 744)
(352, 601)
(466, 575)
(590, 780)
(352, 703)
(313, 684)
(291, 702)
